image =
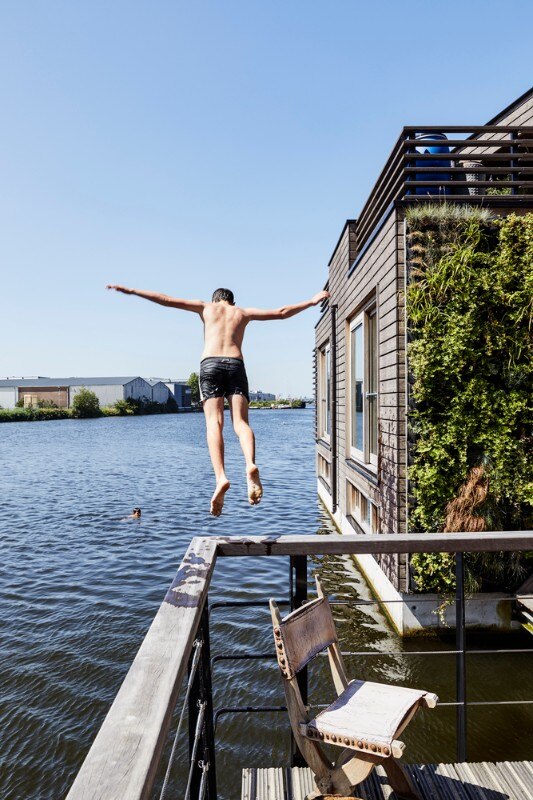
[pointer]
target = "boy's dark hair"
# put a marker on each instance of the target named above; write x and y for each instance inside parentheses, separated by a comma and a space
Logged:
(223, 294)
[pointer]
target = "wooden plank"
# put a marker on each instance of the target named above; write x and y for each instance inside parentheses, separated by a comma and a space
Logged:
(247, 786)
(269, 783)
(123, 760)
(433, 784)
(300, 783)
(278, 545)
(506, 778)
(478, 778)
(513, 771)
(483, 781)
(496, 779)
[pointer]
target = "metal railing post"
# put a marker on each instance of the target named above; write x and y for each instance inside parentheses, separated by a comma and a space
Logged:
(460, 646)
(406, 163)
(514, 176)
(202, 692)
(194, 710)
(298, 591)
(207, 692)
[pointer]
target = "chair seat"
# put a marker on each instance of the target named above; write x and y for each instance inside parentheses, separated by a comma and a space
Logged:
(366, 716)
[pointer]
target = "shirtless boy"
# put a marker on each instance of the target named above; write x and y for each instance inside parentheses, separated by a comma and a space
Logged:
(222, 375)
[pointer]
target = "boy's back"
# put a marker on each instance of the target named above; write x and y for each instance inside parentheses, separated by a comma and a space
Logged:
(224, 327)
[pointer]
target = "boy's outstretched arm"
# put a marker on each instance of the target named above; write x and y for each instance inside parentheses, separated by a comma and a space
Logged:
(162, 299)
(285, 311)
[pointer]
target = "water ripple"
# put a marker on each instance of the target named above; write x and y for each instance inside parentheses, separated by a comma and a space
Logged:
(79, 586)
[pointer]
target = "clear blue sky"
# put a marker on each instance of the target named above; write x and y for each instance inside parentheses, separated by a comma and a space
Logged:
(182, 146)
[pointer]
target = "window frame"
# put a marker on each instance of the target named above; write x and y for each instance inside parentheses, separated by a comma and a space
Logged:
(324, 469)
(362, 320)
(324, 392)
(362, 509)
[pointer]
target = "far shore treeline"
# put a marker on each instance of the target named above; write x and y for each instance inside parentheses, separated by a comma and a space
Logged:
(87, 406)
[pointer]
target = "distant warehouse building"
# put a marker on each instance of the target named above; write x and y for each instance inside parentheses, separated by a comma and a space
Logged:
(259, 396)
(178, 390)
(181, 391)
(160, 391)
(61, 391)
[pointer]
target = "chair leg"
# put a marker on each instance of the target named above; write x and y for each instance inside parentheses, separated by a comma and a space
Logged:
(344, 778)
(400, 780)
(347, 774)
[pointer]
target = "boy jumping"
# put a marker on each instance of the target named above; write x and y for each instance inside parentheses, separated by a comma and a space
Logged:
(222, 375)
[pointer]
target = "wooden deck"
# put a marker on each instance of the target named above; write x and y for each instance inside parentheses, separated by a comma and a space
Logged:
(506, 780)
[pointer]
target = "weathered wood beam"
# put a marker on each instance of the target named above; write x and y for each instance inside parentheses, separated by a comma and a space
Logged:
(342, 544)
(123, 760)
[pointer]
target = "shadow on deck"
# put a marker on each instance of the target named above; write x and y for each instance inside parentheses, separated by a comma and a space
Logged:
(506, 780)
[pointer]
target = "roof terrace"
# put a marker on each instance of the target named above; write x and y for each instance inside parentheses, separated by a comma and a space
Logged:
(489, 165)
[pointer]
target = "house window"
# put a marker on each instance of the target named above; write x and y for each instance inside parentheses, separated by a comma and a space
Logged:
(363, 394)
(324, 469)
(324, 392)
(361, 509)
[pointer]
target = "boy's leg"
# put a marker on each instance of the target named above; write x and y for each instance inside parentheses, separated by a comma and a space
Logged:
(239, 414)
(214, 421)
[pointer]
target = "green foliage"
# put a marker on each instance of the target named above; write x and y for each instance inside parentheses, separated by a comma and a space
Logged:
(131, 407)
(125, 408)
(271, 403)
(33, 414)
(170, 407)
(470, 312)
(46, 404)
(39, 404)
(447, 213)
(500, 190)
(194, 383)
(434, 572)
(111, 411)
(494, 190)
(86, 404)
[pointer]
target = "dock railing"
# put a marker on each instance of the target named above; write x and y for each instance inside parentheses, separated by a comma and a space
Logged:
(125, 757)
(491, 165)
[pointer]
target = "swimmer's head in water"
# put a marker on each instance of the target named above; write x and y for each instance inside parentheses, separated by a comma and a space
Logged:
(223, 294)
(136, 512)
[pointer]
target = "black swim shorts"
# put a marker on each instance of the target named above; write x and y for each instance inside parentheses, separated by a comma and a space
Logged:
(222, 377)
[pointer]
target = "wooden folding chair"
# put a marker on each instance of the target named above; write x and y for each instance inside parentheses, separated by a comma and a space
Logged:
(365, 719)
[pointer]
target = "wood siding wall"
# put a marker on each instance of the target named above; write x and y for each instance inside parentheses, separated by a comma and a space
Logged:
(521, 114)
(379, 273)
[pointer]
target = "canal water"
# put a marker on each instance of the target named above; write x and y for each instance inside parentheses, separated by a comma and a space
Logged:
(80, 584)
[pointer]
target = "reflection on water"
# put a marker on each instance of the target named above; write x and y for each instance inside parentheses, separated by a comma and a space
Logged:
(80, 585)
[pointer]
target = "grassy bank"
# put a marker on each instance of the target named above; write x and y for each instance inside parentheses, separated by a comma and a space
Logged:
(277, 403)
(33, 414)
(43, 414)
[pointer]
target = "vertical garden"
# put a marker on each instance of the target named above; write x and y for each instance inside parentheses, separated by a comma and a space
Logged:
(469, 303)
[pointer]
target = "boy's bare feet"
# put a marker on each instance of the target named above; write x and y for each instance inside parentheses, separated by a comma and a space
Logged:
(217, 501)
(255, 489)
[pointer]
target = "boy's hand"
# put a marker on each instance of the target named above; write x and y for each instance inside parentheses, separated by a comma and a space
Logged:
(117, 288)
(319, 297)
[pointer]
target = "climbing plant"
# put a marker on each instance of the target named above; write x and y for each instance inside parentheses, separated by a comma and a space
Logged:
(469, 301)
